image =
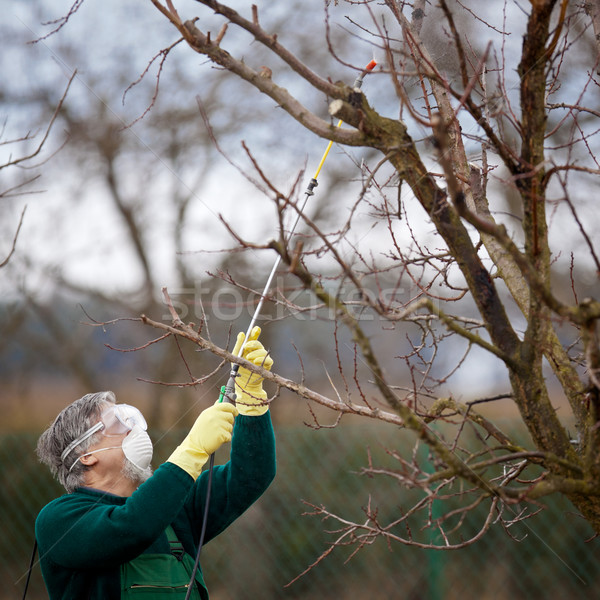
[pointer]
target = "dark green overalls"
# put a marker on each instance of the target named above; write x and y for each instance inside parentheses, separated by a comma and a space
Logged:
(161, 576)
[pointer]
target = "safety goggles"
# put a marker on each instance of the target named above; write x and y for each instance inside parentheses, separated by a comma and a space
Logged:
(115, 420)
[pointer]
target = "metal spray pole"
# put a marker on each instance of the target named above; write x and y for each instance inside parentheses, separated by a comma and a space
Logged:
(228, 391)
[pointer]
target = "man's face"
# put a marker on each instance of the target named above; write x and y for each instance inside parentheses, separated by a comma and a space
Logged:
(109, 460)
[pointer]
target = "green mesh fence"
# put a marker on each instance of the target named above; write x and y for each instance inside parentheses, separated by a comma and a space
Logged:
(260, 554)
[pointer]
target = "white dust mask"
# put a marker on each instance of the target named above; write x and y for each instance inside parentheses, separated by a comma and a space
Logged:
(137, 447)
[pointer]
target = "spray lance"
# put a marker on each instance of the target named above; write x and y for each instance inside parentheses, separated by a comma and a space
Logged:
(227, 392)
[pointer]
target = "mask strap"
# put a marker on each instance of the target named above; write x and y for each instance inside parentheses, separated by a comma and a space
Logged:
(92, 452)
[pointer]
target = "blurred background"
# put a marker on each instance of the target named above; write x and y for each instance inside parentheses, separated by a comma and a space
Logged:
(127, 195)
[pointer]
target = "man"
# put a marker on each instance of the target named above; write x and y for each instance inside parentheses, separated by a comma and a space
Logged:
(123, 532)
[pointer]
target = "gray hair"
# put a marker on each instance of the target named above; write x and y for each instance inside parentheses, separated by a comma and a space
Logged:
(71, 423)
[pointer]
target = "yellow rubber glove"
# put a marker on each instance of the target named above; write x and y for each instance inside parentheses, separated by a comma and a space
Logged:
(248, 386)
(212, 429)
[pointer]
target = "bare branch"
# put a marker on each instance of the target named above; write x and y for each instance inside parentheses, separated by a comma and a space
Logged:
(14, 242)
(38, 149)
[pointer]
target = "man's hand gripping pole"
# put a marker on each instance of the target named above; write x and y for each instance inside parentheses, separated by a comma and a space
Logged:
(228, 390)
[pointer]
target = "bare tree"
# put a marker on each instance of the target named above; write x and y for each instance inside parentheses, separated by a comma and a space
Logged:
(501, 172)
(106, 150)
(24, 158)
(462, 142)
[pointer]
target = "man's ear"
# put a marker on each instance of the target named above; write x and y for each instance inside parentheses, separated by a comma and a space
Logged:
(88, 459)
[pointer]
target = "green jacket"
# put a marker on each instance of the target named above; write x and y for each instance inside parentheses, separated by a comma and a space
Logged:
(84, 537)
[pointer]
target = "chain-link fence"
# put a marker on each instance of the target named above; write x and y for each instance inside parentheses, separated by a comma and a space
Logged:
(268, 547)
